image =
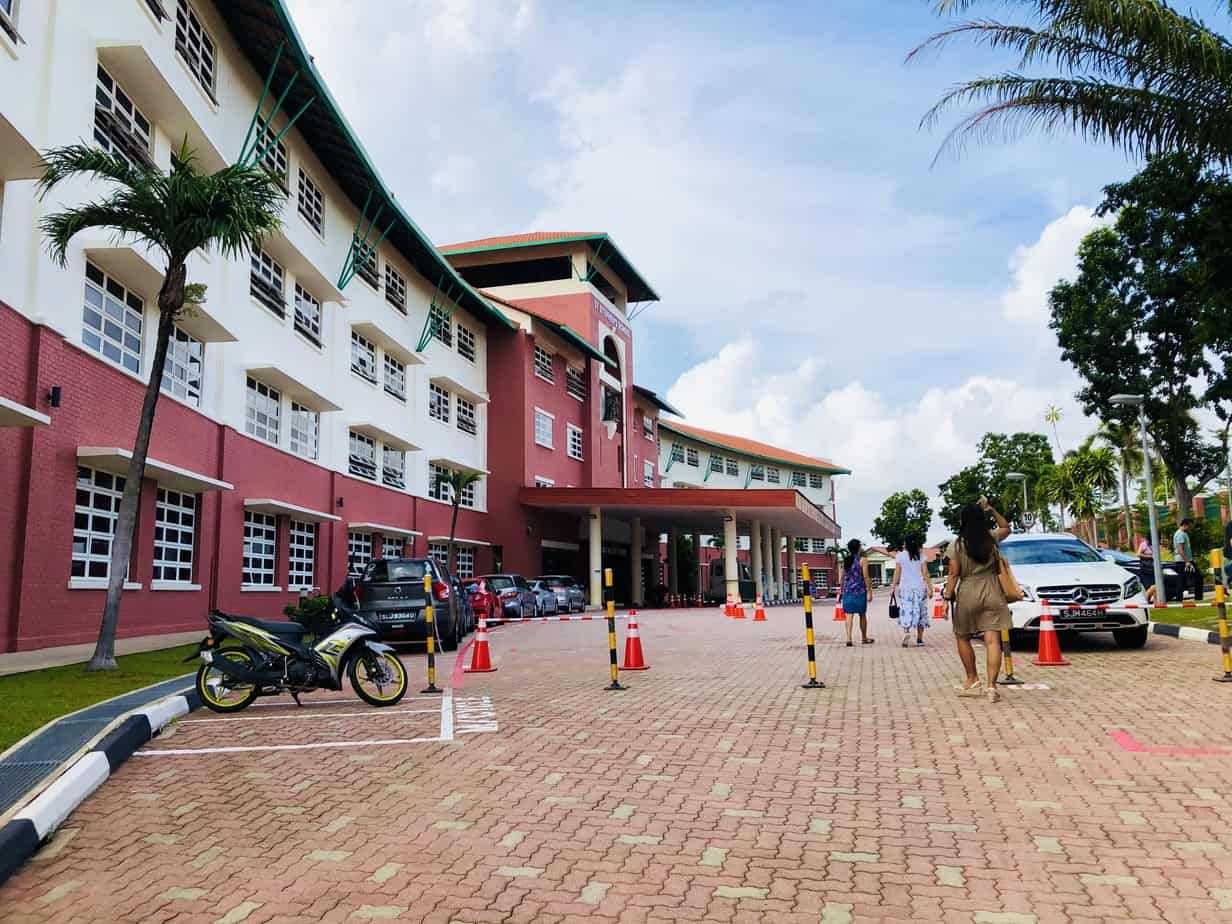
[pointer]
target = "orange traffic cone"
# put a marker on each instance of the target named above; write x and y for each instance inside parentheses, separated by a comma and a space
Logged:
(1049, 647)
(759, 612)
(730, 609)
(939, 606)
(839, 615)
(481, 660)
(739, 614)
(634, 661)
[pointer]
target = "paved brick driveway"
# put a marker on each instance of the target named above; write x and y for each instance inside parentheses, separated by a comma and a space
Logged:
(714, 789)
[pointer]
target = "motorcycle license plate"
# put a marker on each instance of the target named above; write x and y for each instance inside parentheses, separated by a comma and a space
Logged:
(207, 657)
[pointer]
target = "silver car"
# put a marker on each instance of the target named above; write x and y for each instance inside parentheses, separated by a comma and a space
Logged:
(545, 599)
(569, 594)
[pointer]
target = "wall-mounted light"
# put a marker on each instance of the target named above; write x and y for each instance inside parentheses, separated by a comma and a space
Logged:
(53, 396)
(340, 503)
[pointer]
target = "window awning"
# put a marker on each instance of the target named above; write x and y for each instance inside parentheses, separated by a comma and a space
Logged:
(19, 160)
(452, 384)
(287, 252)
(115, 460)
(280, 507)
(384, 530)
(457, 466)
(458, 540)
(293, 387)
(392, 440)
(382, 333)
(13, 414)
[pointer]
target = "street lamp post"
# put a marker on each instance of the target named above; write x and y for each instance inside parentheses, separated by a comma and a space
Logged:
(1139, 401)
(1019, 476)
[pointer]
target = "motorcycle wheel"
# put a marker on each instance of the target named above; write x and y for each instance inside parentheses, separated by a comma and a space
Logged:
(219, 692)
(388, 693)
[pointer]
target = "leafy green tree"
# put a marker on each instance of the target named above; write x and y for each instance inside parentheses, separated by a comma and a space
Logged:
(229, 212)
(1150, 311)
(960, 489)
(1124, 439)
(999, 455)
(454, 483)
(1133, 73)
(902, 514)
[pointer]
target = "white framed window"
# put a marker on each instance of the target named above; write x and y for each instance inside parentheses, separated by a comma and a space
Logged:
(275, 159)
(576, 441)
(263, 415)
(182, 373)
(772, 474)
(369, 271)
(301, 555)
(260, 549)
(438, 402)
(441, 325)
(675, 452)
(648, 473)
(311, 202)
(802, 545)
(466, 561)
(543, 428)
(438, 487)
(395, 288)
(195, 46)
(716, 464)
(362, 459)
(757, 472)
(466, 416)
(575, 382)
(363, 357)
(305, 431)
(392, 546)
(731, 466)
(466, 343)
(819, 546)
(648, 427)
(541, 482)
(692, 457)
(266, 283)
(468, 495)
(175, 527)
(439, 553)
(120, 128)
(393, 467)
(798, 479)
(307, 314)
(112, 320)
(95, 514)
(543, 364)
(816, 480)
(395, 378)
(359, 550)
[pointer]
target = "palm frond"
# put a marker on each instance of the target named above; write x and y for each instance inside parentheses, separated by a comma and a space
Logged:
(61, 163)
(112, 214)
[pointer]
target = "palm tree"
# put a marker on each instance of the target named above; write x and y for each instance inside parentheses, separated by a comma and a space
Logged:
(1055, 486)
(1134, 73)
(1124, 440)
(454, 483)
(230, 211)
(1095, 471)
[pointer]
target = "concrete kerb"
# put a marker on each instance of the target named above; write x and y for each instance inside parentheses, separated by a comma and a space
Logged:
(38, 819)
(1189, 633)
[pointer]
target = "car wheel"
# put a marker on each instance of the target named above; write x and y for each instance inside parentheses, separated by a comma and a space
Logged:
(449, 637)
(1130, 638)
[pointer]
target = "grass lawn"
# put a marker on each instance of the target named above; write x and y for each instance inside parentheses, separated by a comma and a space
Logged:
(34, 698)
(1201, 617)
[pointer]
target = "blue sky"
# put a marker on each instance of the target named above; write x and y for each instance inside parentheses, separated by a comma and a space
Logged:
(824, 286)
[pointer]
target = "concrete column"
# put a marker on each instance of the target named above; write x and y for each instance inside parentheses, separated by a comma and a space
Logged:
(792, 566)
(697, 555)
(596, 558)
(731, 570)
(635, 563)
(776, 540)
(768, 558)
(755, 551)
(673, 562)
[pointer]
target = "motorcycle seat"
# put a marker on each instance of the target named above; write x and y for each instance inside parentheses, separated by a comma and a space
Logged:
(286, 628)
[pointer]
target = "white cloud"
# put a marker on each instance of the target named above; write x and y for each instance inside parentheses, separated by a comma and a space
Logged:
(1037, 267)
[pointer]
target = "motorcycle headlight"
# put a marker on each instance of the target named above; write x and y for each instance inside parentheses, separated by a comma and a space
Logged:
(1132, 588)
(1028, 592)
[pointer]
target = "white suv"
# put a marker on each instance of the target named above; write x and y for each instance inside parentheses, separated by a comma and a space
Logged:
(1065, 571)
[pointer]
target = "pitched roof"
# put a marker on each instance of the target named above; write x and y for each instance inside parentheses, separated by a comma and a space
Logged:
(605, 251)
(661, 403)
(749, 447)
(563, 331)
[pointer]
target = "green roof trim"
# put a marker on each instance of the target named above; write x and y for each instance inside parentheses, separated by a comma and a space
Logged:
(569, 335)
(654, 399)
(639, 289)
(732, 450)
(259, 28)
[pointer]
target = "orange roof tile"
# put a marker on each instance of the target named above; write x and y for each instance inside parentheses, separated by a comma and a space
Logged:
(752, 447)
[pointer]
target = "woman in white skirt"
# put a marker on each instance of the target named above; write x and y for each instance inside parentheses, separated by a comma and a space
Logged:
(913, 587)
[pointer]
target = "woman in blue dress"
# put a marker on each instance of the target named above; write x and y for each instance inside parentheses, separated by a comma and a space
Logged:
(912, 586)
(856, 583)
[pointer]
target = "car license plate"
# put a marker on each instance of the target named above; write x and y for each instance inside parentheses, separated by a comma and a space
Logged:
(1088, 613)
(207, 657)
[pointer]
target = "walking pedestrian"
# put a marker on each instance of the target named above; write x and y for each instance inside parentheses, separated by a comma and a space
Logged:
(1183, 549)
(975, 562)
(1146, 569)
(856, 584)
(912, 586)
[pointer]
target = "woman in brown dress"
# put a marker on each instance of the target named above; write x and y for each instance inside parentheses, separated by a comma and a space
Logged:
(980, 606)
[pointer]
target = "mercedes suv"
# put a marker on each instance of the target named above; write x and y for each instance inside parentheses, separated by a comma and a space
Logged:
(1084, 591)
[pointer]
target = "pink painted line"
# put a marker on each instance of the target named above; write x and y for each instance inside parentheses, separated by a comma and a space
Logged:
(1129, 743)
(459, 662)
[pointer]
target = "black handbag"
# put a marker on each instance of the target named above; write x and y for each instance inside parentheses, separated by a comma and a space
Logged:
(894, 610)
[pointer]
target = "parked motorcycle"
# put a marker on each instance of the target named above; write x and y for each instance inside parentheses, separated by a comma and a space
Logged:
(272, 659)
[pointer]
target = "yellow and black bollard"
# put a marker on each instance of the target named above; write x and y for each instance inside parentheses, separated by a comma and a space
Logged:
(431, 624)
(814, 683)
(1007, 661)
(611, 631)
(1221, 597)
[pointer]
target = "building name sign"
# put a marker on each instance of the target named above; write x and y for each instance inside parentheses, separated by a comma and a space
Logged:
(610, 317)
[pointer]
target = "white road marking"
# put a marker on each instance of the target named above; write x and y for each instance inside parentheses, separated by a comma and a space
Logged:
(476, 715)
(331, 702)
(371, 713)
(377, 742)
(447, 715)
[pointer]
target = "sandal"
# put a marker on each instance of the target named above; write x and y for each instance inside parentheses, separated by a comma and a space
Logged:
(866, 641)
(976, 689)
(993, 694)
(906, 638)
(849, 644)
